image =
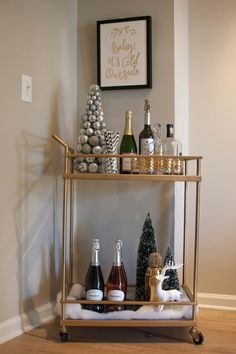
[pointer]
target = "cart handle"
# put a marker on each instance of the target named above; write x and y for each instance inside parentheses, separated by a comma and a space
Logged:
(60, 141)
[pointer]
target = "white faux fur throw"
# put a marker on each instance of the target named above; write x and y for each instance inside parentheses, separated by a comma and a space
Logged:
(145, 312)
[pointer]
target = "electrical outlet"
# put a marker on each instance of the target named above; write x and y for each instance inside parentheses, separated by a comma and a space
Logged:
(26, 88)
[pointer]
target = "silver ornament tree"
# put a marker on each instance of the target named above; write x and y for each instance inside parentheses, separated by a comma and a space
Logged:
(91, 138)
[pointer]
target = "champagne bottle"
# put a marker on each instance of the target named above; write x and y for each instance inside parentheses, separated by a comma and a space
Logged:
(128, 146)
(94, 283)
(117, 280)
(146, 141)
(174, 148)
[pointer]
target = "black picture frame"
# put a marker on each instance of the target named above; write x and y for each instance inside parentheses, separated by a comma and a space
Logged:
(124, 53)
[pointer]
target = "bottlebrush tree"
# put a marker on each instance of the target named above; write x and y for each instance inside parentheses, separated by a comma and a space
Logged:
(147, 245)
(173, 281)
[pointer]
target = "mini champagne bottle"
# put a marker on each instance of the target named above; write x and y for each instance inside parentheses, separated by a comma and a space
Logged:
(117, 280)
(94, 283)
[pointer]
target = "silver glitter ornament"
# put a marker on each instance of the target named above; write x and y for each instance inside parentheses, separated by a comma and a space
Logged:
(96, 125)
(86, 148)
(83, 167)
(87, 125)
(84, 139)
(97, 149)
(93, 107)
(89, 131)
(97, 132)
(93, 167)
(92, 118)
(89, 159)
(84, 117)
(79, 147)
(102, 140)
(94, 87)
(89, 102)
(82, 131)
(100, 119)
(94, 140)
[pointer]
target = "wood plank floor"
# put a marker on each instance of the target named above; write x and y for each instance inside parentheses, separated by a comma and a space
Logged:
(218, 327)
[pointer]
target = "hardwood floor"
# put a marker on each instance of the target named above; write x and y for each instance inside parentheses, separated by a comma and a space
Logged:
(218, 327)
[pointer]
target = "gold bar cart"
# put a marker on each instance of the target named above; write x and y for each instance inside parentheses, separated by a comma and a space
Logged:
(69, 176)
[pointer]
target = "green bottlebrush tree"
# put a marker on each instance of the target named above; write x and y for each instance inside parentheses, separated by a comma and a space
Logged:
(147, 245)
(173, 281)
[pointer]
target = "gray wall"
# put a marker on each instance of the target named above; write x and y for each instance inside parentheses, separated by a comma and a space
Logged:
(212, 82)
(110, 209)
(38, 38)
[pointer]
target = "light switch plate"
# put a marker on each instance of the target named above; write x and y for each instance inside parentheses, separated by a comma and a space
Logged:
(26, 88)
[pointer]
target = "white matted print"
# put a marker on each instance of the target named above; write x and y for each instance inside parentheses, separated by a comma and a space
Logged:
(124, 53)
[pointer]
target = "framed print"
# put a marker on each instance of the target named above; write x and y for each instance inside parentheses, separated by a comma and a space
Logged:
(124, 53)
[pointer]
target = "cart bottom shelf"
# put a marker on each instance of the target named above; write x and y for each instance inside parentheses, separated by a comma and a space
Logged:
(128, 323)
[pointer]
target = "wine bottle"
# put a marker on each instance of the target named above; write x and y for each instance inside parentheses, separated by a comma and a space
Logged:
(174, 148)
(128, 146)
(146, 141)
(94, 283)
(117, 280)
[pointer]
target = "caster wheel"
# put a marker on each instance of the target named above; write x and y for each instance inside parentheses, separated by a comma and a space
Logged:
(64, 337)
(198, 337)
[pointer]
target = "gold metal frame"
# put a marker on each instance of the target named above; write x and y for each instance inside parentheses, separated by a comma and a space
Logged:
(69, 176)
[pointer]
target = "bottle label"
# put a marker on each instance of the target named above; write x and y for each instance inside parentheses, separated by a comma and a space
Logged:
(147, 146)
(115, 295)
(127, 163)
(94, 294)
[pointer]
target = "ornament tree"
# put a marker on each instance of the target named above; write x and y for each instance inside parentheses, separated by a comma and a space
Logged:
(173, 281)
(91, 139)
(147, 245)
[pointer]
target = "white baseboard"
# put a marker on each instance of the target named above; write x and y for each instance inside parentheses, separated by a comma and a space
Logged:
(217, 301)
(19, 324)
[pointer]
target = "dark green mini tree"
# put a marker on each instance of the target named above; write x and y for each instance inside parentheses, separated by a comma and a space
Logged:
(147, 245)
(173, 281)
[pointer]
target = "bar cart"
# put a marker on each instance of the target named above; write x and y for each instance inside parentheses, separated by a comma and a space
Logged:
(69, 177)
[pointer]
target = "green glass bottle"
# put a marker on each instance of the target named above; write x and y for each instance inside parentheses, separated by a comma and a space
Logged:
(128, 146)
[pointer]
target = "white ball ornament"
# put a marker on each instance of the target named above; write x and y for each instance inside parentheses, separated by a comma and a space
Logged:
(97, 149)
(86, 148)
(103, 124)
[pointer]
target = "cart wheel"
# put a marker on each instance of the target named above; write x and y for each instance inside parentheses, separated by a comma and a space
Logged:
(64, 336)
(198, 337)
(199, 340)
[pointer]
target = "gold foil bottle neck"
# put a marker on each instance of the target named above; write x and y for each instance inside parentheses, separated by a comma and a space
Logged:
(129, 114)
(128, 123)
